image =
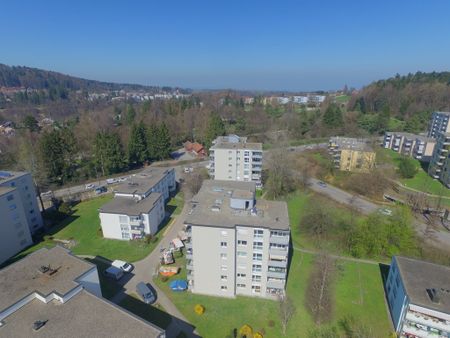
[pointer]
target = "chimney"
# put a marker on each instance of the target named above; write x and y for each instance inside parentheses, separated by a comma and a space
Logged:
(434, 295)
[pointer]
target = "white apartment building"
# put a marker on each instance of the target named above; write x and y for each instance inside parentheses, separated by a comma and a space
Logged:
(439, 124)
(417, 146)
(15, 234)
(23, 183)
(53, 294)
(138, 205)
(130, 218)
(418, 295)
(232, 158)
(236, 245)
(440, 163)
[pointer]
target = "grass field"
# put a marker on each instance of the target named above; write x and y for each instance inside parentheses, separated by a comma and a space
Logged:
(358, 294)
(83, 227)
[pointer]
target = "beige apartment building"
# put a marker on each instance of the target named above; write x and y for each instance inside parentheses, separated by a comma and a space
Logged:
(232, 158)
(418, 146)
(236, 245)
(14, 232)
(351, 154)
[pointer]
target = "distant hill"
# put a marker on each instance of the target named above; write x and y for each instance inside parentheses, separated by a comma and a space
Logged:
(404, 96)
(19, 76)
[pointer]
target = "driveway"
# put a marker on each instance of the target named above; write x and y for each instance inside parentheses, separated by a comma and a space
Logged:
(145, 269)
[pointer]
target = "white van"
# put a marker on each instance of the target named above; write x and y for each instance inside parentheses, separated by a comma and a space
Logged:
(114, 273)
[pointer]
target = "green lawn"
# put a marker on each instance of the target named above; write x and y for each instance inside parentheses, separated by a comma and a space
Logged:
(83, 227)
(342, 98)
(358, 293)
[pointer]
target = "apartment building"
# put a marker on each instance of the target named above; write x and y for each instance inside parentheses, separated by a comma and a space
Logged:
(23, 183)
(417, 146)
(236, 245)
(440, 163)
(51, 293)
(232, 158)
(439, 124)
(418, 295)
(15, 234)
(351, 154)
(138, 205)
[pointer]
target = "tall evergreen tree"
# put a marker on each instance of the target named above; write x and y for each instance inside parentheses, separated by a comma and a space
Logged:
(137, 146)
(163, 143)
(215, 128)
(108, 152)
(333, 116)
(152, 140)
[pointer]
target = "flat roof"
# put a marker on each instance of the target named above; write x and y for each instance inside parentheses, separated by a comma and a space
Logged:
(418, 276)
(84, 315)
(238, 145)
(351, 143)
(143, 182)
(7, 175)
(412, 136)
(130, 206)
(23, 277)
(267, 214)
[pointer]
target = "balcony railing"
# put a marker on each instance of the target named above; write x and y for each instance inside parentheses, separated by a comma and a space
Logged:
(279, 239)
(427, 321)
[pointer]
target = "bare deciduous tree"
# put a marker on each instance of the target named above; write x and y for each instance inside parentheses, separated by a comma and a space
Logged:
(319, 291)
(281, 179)
(194, 182)
(287, 310)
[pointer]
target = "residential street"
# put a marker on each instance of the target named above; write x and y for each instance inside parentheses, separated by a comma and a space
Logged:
(144, 271)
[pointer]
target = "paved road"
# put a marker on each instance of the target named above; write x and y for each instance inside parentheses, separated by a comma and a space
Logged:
(145, 269)
(439, 238)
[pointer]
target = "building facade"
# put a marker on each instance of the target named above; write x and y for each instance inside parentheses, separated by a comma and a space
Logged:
(417, 146)
(23, 183)
(232, 158)
(350, 154)
(236, 245)
(138, 205)
(419, 298)
(51, 293)
(439, 124)
(440, 165)
(15, 234)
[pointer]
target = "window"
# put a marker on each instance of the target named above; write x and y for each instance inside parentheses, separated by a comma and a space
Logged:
(246, 153)
(223, 255)
(256, 268)
(223, 244)
(258, 233)
(240, 285)
(223, 288)
(257, 245)
(241, 254)
(123, 219)
(9, 197)
(278, 246)
(276, 233)
(241, 275)
(124, 227)
(224, 277)
(125, 235)
(256, 278)
(256, 288)
(257, 257)
(246, 166)
(241, 242)
(246, 160)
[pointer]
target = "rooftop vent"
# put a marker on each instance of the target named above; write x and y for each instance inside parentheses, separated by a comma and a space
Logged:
(47, 270)
(38, 324)
(215, 208)
(434, 295)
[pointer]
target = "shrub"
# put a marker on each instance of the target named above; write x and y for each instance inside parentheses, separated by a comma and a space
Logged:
(271, 323)
(407, 167)
(100, 232)
(164, 279)
(246, 331)
(199, 309)
(257, 335)
(65, 208)
(148, 239)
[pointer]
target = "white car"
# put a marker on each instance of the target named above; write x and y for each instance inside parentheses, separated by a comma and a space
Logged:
(90, 186)
(188, 170)
(112, 180)
(124, 266)
(385, 211)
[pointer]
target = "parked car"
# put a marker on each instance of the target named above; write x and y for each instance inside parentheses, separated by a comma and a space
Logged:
(100, 190)
(114, 273)
(188, 170)
(122, 179)
(145, 293)
(89, 186)
(124, 266)
(112, 180)
(47, 194)
(322, 184)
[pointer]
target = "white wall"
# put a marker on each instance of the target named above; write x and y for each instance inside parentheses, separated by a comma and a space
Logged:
(91, 282)
(110, 226)
(14, 231)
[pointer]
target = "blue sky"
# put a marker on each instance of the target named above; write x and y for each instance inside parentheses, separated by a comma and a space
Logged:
(262, 45)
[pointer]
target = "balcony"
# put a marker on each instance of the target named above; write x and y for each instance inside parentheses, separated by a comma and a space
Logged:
(189, 264)
(418, 318)
(277, 263)
(278, 252)
(137, 222)
(277, 284)
(279, 240)
(189, 253)
(275, 274)
(188, 244)
(436, 176)
(257, 154)
(440, 164)
(190, 274)
(438, 170)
